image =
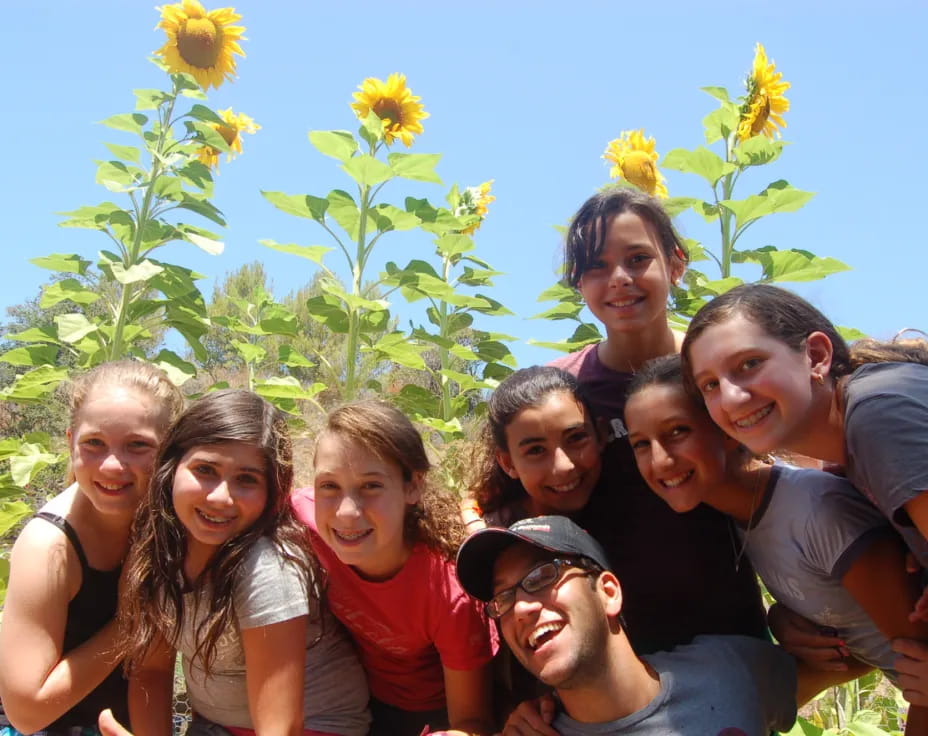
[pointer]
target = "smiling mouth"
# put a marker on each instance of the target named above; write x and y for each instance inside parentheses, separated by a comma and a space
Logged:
(566, 487)
(349, 536)
(112, 487)
(543, 634)
(752, 419)
(215, 520)
(677, 481)
(621, 303)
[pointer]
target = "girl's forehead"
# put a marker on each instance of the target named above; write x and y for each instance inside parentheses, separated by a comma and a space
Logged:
(336, 452)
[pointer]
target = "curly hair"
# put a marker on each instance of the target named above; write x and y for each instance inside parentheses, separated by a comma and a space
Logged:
(385, 431)
(154, 589)
(489, 485)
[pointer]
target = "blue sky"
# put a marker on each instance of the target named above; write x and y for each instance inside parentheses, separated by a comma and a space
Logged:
(524, 93)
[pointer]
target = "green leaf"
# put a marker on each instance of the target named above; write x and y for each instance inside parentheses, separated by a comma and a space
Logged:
(673, 206)
(198, 175)
(286, 355)
(70, 289)
(35, 385)
(314, 253)
(93, 218)
(790, 265)
(418, 401)
(720, 123)
(130, 122)
(397, 348)
(344, 211)
(36, 334)
(178, 370)
(355, 301)
(850, 334)
(31, 459)
(719, 93)
(72, 327)
(367, 170)
(149, 99)
(127, 153)
(777, 197)
(453, 245)
(11, 513)
(563, 310)
(139, 272)
(387, 217)
(31, 355)
(371, 129)
(286, 387)
(115, 176)
(339, 144)
(559, 292)
(209, 135)
(467, 382)
(202, 207)
(758, 150)
(415, 166)
(328, 310)
(210, 245)
(250, 353)
(301, 205)
(699, 161)
(202, 112)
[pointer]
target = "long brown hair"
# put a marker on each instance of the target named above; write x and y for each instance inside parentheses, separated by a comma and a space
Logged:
(385, 431)
(154, 591)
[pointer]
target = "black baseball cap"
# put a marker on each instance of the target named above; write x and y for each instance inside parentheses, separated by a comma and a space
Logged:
(557, 534)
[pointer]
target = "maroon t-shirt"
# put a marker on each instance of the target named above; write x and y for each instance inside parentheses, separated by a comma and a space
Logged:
(677, 571)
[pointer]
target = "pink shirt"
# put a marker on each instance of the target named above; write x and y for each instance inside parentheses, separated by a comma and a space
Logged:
(408, 627)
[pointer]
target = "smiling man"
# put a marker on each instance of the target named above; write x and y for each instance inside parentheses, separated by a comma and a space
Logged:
(548, 584)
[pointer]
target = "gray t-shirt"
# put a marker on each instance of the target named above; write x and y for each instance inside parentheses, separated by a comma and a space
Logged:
(808, 530)
(716, 686)
(269, 590)
(886, 436)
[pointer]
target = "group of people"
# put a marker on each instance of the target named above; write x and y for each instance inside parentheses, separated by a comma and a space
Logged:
(620, 501)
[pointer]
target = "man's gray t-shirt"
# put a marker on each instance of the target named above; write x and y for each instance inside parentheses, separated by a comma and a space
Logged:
(269, 590)
(886, 438)
(716, 686)
(808, 530)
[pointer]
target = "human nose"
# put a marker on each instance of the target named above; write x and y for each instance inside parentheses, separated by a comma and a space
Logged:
(220, 493)
(348, 508)
(525, 605)
(660, 457)
(113, 462)
(619, 275)
(732, 395)
(563, 463)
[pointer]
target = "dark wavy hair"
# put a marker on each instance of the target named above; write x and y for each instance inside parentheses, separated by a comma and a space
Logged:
(154, 589)
(385, 431)
(490, 486)
(586, 235)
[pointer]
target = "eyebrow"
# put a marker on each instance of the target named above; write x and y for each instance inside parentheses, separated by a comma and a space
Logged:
(566, 430)
(246, 468)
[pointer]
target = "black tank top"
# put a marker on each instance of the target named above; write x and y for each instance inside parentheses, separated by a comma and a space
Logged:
(88, 612)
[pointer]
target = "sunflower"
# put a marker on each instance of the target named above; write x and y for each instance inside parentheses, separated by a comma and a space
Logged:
(474, 201)
(231, 129)
(395, 105)
(200, 42)
(636, 161)
(765, 104)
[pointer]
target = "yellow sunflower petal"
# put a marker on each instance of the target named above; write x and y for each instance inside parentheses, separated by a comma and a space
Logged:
(475, 201)
(765, 103)
(392, 101)
(635, 160)
(200, 42)
(231, 129)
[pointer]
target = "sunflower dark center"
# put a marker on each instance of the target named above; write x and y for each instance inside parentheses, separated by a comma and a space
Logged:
(198, 42)
(388, 110)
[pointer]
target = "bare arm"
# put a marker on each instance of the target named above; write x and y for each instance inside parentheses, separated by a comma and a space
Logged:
(275, 659)
(879, 582)
(38, 683)
(151, 692)
(467, 693)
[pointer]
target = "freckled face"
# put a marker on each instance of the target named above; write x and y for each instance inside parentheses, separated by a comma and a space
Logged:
(680, 452)
(627, 287)
(757, 388)
(555, 453)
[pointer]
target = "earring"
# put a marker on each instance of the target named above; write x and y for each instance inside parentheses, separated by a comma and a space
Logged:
(818, 378)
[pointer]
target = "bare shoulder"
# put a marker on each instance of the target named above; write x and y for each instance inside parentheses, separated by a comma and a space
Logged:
(43, 561)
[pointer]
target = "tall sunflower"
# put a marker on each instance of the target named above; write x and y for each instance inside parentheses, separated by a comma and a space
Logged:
(635, 160)
(764, 104)
(398, 108)
(234, 125)
(475, 201)
(201, 42)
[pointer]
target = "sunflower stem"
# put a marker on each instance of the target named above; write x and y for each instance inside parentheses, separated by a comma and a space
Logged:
(444, 354)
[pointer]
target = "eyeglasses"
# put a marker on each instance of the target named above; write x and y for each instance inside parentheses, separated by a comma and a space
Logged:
(535, 580)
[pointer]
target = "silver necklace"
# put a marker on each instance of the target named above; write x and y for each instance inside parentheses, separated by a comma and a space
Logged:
(732, 533)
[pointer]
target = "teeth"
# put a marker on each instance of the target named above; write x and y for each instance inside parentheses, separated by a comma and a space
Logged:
(541, 631)
(752, 419)
(624, 302)
(679, 480)
(214, 519)
(567, 487)
(112, 486)
(349, 536)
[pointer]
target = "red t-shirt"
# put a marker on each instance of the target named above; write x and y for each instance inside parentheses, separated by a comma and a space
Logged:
(408, 627)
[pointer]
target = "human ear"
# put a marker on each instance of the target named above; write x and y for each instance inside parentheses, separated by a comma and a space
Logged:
(820, 352)
(505, 462)
(611, 593)
(677, 267)
(413, 488)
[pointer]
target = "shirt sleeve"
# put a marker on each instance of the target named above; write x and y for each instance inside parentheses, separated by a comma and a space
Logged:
(773, 674)
(841, 527)
(887, 439)
(464, 637)
(270, 588)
